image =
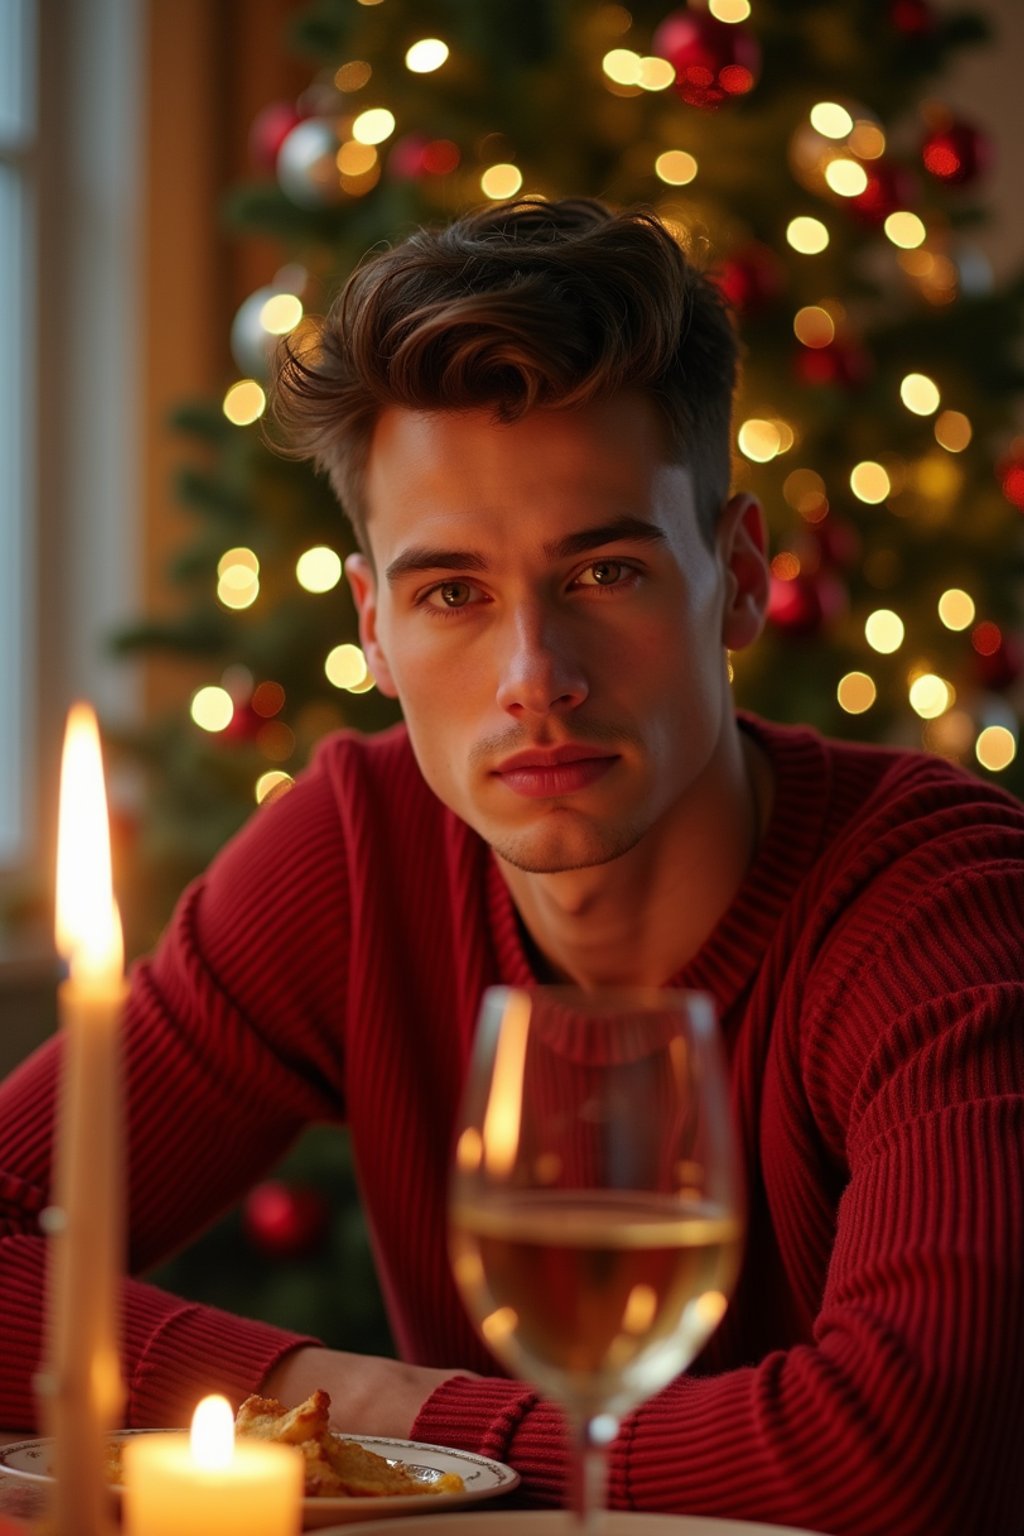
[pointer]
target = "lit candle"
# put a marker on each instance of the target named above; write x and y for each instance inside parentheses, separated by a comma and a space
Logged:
(209, 1484)
(81, 1388)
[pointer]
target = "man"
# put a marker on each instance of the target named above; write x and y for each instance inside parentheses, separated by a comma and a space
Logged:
(527, 418)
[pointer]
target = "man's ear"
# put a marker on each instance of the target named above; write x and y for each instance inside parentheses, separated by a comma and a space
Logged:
(363, 583)
(742, 544)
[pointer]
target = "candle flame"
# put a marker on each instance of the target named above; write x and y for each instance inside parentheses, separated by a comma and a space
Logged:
(505, 1102)
(212, 1438)
(88, 928)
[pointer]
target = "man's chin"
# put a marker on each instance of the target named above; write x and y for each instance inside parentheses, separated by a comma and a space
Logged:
(537, 853)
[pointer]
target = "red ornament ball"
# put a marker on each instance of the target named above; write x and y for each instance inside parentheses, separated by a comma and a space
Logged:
(839, 542)
(245, 723)
(415, 156)
(285, 1220)
(803, 606)
(843, 362)
(269, 130)
(914, 18)
(715, 61)
(957, 153)
(1010, 472)
(997, 656)
(750, 279)
(890, 188)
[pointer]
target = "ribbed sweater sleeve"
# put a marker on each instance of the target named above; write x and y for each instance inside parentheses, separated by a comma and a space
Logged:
(216, 1088)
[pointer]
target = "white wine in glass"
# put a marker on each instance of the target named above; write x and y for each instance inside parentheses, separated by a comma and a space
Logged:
(596, 1218)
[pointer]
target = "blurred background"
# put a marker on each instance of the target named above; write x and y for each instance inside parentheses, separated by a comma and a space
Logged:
(183, 181)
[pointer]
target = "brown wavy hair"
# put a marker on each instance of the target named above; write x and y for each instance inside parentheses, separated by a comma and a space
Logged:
(516, 306)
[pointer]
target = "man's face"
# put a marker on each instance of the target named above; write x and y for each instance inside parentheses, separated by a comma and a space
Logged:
(545, 608)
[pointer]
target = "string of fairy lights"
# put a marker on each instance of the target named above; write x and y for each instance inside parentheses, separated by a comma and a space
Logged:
(837, 152)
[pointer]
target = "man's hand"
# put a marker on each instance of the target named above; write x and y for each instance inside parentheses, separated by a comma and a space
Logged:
(369, 1395)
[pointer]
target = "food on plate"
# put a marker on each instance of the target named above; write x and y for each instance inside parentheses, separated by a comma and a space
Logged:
(335, 1468)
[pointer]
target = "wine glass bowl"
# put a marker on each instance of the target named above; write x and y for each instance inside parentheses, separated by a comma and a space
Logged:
(595, 1209)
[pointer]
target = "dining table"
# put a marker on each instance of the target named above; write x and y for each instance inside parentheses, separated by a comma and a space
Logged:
(23, 1507)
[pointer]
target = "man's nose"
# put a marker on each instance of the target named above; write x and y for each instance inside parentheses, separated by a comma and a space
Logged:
(540, 669)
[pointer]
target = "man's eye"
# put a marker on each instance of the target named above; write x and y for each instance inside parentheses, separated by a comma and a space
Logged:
(451, 594)
(603, 573)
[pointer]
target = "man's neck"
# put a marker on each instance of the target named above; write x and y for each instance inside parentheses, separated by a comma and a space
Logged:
(641, 918)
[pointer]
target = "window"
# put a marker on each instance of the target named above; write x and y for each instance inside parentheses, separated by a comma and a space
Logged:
(18, 161)
(70, 177)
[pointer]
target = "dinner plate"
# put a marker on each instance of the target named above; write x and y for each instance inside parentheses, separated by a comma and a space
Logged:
(483, 1478)
(555, 1522)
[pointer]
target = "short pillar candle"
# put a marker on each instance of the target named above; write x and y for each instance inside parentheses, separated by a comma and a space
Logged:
(172, 1485)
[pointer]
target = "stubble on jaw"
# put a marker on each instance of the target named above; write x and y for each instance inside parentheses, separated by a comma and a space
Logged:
(544, 851)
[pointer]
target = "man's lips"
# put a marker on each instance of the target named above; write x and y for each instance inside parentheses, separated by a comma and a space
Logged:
(547, 772)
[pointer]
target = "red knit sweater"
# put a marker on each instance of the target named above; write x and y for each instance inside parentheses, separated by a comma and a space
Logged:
(869, 1376)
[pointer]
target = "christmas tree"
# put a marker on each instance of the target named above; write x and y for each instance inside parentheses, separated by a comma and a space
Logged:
(802, 151)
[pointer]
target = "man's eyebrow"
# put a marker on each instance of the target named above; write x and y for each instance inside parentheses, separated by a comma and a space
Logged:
(633, 529)
(422, 557)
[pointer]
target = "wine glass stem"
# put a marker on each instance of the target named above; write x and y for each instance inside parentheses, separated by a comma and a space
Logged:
(590, 1474)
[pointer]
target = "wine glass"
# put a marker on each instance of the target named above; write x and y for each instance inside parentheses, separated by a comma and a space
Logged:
(595, 1210)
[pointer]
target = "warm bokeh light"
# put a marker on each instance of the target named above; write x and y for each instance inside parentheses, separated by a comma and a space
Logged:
(804, 489)
(953, 431)
(238, 556)
(729, 10)
(785, 565)
(951, 734)
(501, 181)
(655, 74)
(856, 692)
(905, 230)
(267, 699)
(622, 65)
(281, 314)
(276, 740)
(353, 75)
(676, 167)
(426, 55)
(806, 235)
(238, 587)
(244, 403)
(212, 708)
(846, 177)
(814, 326)
(931, 695)
(995, 748)
(212, 1436)
(374, 126)
(920, 394)
(271, 784)
(787, 437)
(867, 141)
(831, 120)
(346, 667)
(883, 631)
(355, 159)
(759, 440)
(869, 482)
(956, 608)
(318, 569)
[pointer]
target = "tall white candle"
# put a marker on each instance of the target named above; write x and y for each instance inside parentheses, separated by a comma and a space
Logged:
(209, 1484)
(81, 1388)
